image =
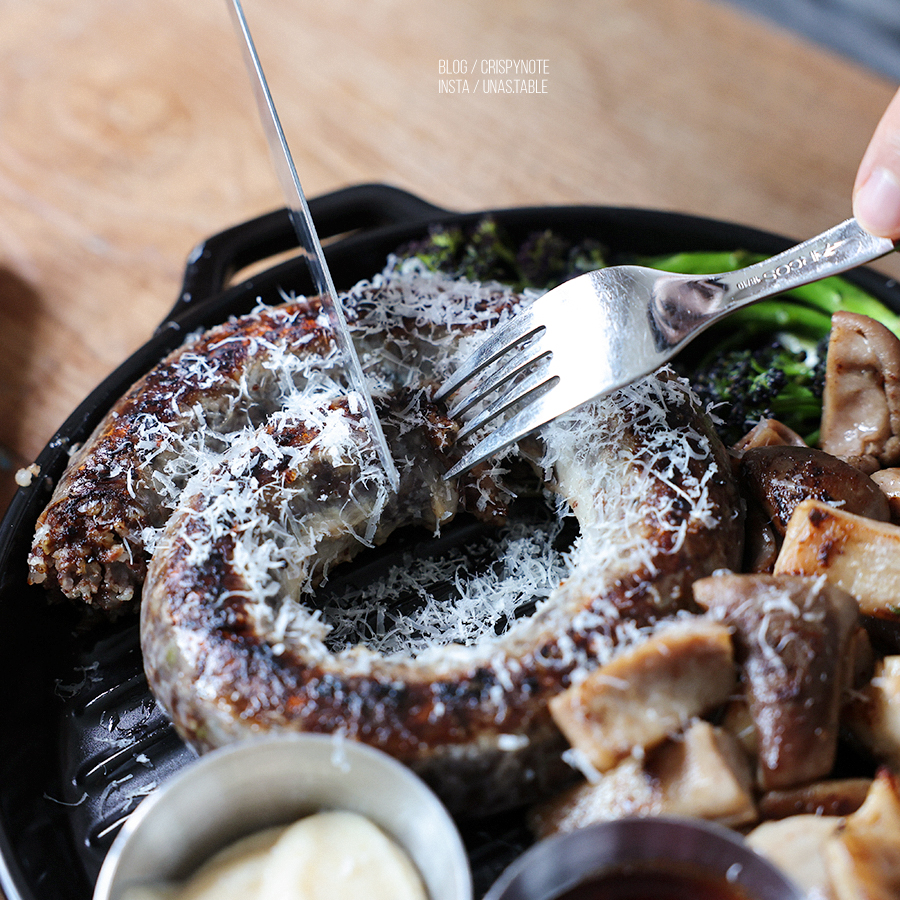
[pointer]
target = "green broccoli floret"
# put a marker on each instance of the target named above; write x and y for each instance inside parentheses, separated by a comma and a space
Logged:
(742, 386)
(490, 255)
(586, 256)
(543, 260)
(485, 252)
(440, 251)
(480, 253)
(547, 259)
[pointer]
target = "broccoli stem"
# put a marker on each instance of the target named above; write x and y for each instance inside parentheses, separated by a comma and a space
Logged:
(771, 317)
(834, 293)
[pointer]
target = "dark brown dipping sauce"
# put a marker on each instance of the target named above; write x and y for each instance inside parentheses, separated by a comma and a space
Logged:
(655, 882)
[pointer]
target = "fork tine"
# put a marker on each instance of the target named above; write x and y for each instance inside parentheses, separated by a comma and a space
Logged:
(492, 379)
(547, 406)
(521, 391)
(517, 329)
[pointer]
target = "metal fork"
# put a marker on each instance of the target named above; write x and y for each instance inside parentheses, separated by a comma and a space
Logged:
(603, 330)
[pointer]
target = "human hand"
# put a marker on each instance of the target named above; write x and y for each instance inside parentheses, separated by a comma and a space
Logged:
(876, 192)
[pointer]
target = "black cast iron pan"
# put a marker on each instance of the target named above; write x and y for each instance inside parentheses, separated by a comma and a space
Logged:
(82, 740)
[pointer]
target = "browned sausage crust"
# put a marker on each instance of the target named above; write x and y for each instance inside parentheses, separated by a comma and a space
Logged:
(232, 649)
(93, 540)
(90, 540)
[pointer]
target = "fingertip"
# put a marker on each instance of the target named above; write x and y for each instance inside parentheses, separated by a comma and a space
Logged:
(876, 203)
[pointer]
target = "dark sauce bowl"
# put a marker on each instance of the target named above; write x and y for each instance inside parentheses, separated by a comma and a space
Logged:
(655, 858)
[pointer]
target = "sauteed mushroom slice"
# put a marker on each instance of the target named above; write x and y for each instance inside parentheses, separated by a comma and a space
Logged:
(647, 692)
(862, 858)
(852, 552)
(888, 481)
(737, 719)
(761, 541)
(854, 857)
(873, 714)
(776, 477)
(702, 773)
(792, 638)
(861, 401)
(797, 845)
(832, 797)
(780, 477)
(769, 433)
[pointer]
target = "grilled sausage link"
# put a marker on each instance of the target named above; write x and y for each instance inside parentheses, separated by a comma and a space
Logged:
(90, 543)
(239, 467)
(232, 648)
(93, 540)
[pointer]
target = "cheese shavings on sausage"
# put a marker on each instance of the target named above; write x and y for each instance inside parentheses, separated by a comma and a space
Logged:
(241, 468)
(236, 642)
(93, 541)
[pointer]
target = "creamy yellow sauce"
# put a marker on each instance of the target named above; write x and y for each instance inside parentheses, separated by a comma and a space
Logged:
(331, 855)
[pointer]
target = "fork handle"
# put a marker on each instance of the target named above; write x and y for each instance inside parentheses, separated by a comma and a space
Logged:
(842, 247)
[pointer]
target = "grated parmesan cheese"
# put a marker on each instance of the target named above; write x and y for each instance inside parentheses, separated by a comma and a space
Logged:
(265, 509)
(285, 537)
(526, 568)
(25, 476)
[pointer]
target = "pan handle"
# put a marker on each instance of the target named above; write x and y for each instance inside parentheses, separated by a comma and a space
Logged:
(213, 262)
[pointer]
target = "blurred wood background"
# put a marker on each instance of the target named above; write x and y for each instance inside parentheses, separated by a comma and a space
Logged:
(128, 134)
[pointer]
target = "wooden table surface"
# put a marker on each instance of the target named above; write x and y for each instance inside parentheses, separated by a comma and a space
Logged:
(128, 134)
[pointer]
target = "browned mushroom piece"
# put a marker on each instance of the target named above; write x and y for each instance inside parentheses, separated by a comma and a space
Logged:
(647, 692)
(852, 552)
(832, 797)
(873, 713)
(779, 478)
(769, 433)
(762, 543)
(793, 639)
(702, 772)
(735, 718)
(798, 845)
(861, 402)
(888, 480)
(862, 858)
(840, 857)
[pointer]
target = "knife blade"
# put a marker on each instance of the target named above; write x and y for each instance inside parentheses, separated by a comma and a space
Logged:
(311, 247)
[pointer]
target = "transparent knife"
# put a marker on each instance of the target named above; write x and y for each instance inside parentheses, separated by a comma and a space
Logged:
(309, 240)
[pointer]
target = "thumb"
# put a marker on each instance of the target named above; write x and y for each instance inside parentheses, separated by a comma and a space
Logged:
(876, 191)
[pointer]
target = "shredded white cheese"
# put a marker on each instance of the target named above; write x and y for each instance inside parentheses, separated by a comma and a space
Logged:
(258, 490)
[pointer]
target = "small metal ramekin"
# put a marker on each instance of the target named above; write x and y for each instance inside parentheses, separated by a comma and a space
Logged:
(559, 864)
(237, 790)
